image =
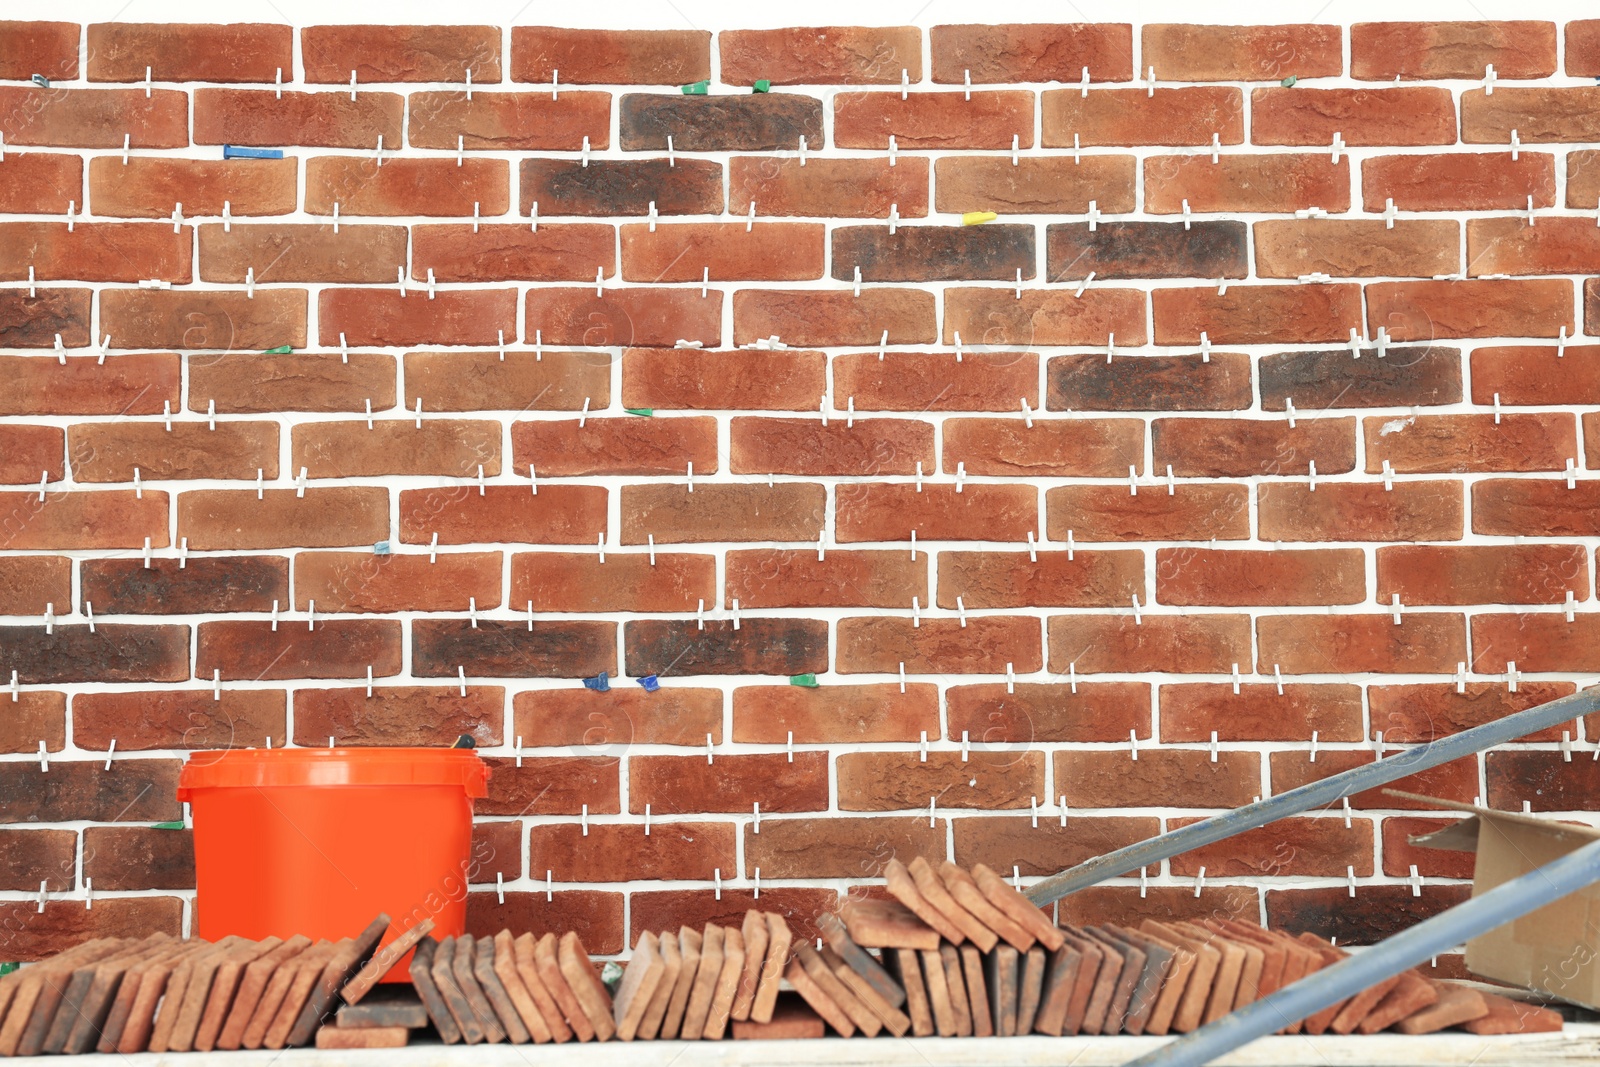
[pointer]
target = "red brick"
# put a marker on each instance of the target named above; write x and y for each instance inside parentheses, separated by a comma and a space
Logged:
(248, 52)
(1259, 314)
(1279, 183)
(1087, 382)
(1537, 114)
(146, 187)
(1206, 249)
(65, 923)
(406, 186)
(1003, 842)
(318, 120)
(586, 722)
(1459, 181)
(252, 650)
(933, 120)
(1038, 52)
(1591, 305)
(29, 583)
(987, 644)
(835, 846)
(496, 851)
(25, 450)
(813, 317)
(834, 714)
(385, 317)
(934, 381)
(989, 778)
(95, 118)
(843, 578)
(460, 515)
(934, 253)
(626, 581)
(594, 916)
(680, 647)
(400, 53)
(879, 511)
(626, 445)
(112, 452)
(1399, 854)
(784, 380)
(1536, 374)
(673, 851)
(731, 251)
(1357, 248)
(85, 519)
(1360, 511)
(34, 717)
(610, 57)
(1033, 186)
(1542, 779)
(1427, 310)
(174, 318)
(1511, 246)
(1023, 713)
(1165, 777)
(1411, 377)
(1110, 513)
(758, 122)
(503, 121)
(34, 856)
(1456, 780)
(1130, 905)
(1512, 507)
(113, 652)
(677, 784)
(196, 586)
(1434, 444)
(510, 252)
(1427, 712)
(823, 55)
(251, 383)
(306, 252)
(40, 183)
(138, 857)
(95, 251)
(623, 186)
(1234, 578)
(827, 188)
(1583, 48)
(1422, 643)
(326, 517)
(1483, 574)
(367, 582)
(1175, 644)
(447, 448)
(441, 648)
(1306, 847)
(1422, 51)
(1411, 115)
(1186, 116)
(1535, 642)
(398, 715)
(805, 446)
(1044, 316)
(1191, 711)
(32, 318)
(1189, 53)
(189, 719)
(522, 381)
(1242, 448)
(1090, 579)
(791, 511)
(49, 48)
(549, 785)
(665, 909)
(620, 318)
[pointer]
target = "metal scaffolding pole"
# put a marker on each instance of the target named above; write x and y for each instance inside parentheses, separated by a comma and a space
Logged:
(1327, 791)
(1349, 976)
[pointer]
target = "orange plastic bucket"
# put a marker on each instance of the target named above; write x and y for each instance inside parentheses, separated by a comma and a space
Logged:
(317, 841)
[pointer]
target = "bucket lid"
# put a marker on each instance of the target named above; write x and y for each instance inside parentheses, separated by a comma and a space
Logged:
(334, 766)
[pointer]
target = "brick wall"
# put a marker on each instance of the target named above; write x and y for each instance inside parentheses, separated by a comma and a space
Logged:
(1256, 427)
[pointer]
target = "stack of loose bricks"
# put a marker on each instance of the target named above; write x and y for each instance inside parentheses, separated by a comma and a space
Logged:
(1249, 624)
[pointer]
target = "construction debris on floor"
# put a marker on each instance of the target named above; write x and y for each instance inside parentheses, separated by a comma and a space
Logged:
(946, 952)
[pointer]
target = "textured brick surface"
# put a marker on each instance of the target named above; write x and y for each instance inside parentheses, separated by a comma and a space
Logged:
(1259, 412)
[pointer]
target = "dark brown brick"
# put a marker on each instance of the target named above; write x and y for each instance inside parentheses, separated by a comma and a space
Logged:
(934, 253)
(28, 857)
(672, 851)
(1543, 779)
(1379, 911)
(595, 917)
(199, 586)
(182, 718)
(1202, 249)
(493, 649)
(991, 777)
(33, 321)
(1087, 382)
(612, 187)
(408, 715)
(138, 857)
(835, 846)
(548, 785)
(134, 790)
(1242, 448)
(65, 923)
(755, 123)
(496, 852)
(1002, 842)
(336, 648)
(113, 652)
(998, 713)
(1404, 377)
(674, 784)
(679, 647)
